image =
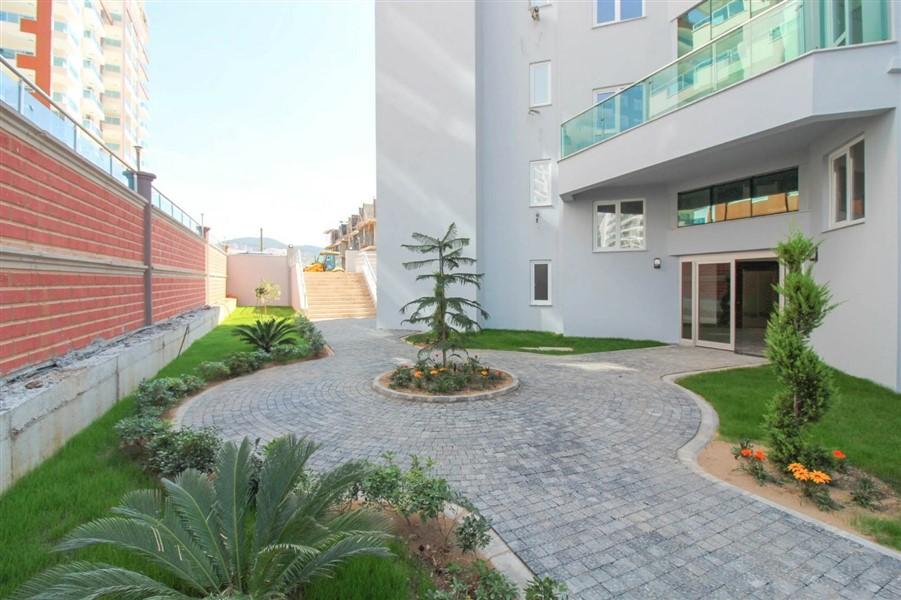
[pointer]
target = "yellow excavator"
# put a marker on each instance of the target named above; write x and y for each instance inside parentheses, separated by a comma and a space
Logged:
(327, 260)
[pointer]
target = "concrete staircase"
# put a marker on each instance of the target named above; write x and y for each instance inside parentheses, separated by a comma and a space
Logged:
(337, 296)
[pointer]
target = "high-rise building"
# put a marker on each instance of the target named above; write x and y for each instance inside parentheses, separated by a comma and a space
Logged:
(89, 56)
(626, 168)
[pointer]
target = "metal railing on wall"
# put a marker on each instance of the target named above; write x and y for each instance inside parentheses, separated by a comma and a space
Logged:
(27, 99)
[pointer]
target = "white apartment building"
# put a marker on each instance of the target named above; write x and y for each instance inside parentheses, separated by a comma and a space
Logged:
(625, 168)
(90, 57)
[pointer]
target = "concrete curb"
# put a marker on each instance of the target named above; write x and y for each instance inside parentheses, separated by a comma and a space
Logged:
(436, 399)
(688, 455)
(498, 553)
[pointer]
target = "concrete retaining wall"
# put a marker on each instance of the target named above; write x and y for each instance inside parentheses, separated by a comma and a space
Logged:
(36, 421)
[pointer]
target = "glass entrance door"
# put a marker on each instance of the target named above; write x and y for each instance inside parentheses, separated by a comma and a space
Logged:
(714, 304)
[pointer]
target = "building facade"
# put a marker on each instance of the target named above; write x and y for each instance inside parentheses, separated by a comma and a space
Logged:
(356, 233)
(625, 168)
(90, 57)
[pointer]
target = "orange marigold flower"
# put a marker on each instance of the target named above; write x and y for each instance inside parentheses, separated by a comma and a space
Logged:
(759, 455)
(819, 478)
(802, 475)
(795, 467)
(839, 454)
(417, 373)
(433, 372)
(746, 452)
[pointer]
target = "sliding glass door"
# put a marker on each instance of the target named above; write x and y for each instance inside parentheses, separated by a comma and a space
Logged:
(725, 300)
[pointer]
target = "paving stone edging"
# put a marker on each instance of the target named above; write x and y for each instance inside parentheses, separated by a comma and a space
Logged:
(445, 399)
(504, 560)
(688, 455)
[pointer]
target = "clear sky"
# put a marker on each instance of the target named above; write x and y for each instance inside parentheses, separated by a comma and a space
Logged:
(262, 113)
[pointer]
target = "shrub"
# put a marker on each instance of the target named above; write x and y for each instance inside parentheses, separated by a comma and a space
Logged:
(156, 395)
(267, 292)
(456, 376)
(492, 585)
(213, 371)
(866, 494)
(289, 353)
(383, 483)
(266, 334)
(137, 431)
(210, 537)
(805, 379)
(546, 588)
(422, 493)
(472, 533)
(192, 383)
(308, 331)
(174, 450)
(813, 486)
(241, 363)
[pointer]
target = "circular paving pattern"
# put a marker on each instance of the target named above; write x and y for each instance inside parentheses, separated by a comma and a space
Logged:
(577, 468)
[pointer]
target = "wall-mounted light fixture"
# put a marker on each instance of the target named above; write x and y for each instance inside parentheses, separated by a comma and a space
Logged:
(533, 112)
(816, 255)
(657, 263)
(537, 214)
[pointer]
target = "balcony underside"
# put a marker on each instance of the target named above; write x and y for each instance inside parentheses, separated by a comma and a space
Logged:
(785, 108)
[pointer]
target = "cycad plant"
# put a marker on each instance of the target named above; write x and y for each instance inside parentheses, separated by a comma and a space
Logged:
(445, 316)
(267, 333)
(807, 386)
(242, 533)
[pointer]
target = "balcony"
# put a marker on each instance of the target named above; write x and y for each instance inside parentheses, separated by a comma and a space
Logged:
(774, 61)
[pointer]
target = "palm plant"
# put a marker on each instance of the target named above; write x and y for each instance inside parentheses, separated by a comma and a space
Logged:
(445, 316)
(237, 534)
(268, 333)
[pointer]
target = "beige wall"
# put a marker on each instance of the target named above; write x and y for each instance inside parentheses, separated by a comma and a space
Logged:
(216, 270)
(245, 271)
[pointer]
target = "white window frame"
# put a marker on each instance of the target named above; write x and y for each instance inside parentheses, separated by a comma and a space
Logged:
(845, 151)
(550, 175)
(618, 204)
(538, 3)
(550, 279)
(550, 83)
(617, 13)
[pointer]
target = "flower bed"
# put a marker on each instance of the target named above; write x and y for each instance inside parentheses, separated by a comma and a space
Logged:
(458, 381)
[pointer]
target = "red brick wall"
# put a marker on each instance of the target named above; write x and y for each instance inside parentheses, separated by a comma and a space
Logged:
(76, 266)
(43, 202)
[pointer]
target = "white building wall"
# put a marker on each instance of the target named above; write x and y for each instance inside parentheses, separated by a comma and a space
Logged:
(620, 293)
(425, 137)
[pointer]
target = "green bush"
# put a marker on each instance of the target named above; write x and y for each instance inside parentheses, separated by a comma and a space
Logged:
(156, 395)
(546, 588)
(308, 331)
(493, 585)
(137, 431)
(174, 450)
(242, 363)
(213, 370)
(473, 533)
(289, 353)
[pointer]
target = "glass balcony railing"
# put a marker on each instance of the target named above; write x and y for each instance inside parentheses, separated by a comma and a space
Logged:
(22, 96)
(771, 38)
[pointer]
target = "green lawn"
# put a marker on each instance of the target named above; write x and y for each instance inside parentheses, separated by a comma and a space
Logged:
(512, 339)
(369, 578)
(89, 474)
(864, 420)
(885, 531)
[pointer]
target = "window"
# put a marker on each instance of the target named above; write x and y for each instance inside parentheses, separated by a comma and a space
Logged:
(757, 196)
(541, 282)
(60, 26)
(847, 186)
(540, 183)
(611, 11)
(538, 3)
(112, 68)
(540, 83)
(619, 225)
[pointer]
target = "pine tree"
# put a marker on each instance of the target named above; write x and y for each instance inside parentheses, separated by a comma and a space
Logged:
(805, 378)
(445, 316)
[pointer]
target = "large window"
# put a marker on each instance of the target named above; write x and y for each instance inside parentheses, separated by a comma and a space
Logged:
(611, 11)
(540, 83)
(540, 182)
(541, 282)
(619, 225)
(768, 194)
(847, 186)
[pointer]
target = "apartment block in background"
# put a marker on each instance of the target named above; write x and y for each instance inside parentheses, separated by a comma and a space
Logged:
(89, 56)
(625, 168)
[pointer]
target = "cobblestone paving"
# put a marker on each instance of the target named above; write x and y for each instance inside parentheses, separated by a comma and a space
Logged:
(577, 469)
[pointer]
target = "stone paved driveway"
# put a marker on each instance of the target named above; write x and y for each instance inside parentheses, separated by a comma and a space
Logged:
(577, 469)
